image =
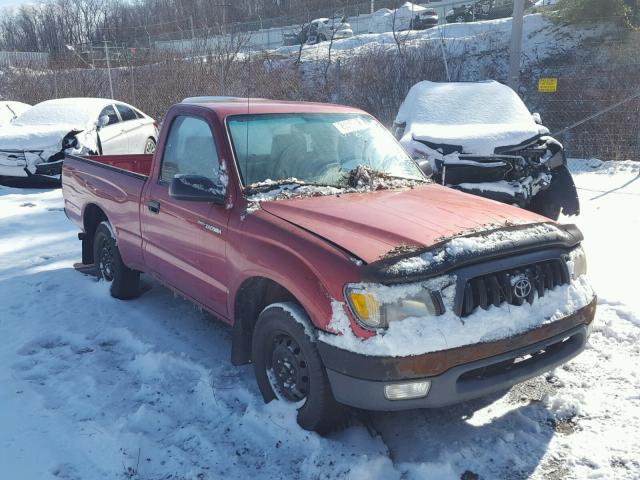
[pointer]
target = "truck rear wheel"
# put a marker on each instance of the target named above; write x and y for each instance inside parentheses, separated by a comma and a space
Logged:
(125, 282)
(288, 368)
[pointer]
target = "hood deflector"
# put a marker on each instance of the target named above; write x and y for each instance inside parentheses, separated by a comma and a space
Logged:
(560, 236)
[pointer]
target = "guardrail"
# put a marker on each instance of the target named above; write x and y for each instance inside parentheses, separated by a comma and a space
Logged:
(8, 59)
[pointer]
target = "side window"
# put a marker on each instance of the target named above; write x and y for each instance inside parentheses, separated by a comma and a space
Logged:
(190, 150)
(126, 113)
(111, 113)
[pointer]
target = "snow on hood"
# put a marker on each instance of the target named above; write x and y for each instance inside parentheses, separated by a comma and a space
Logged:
(476, 116)
(371, 225)
(34, 137)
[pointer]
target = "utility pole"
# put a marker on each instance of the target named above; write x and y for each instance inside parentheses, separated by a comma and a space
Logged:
(106, 53)
(516, 44)
(373, 6)
(193, 33)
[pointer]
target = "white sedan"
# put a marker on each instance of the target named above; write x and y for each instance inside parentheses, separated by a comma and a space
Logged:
(35, 143)
(10, 110)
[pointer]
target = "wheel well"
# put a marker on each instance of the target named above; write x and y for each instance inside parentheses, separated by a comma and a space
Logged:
(93, 215)
(252, 297)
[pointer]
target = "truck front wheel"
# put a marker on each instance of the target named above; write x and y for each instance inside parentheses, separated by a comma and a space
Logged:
(125, 282)
(288, 367)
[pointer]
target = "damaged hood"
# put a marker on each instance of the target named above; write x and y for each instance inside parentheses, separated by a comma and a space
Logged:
(470, 139)
(375, 224)
(34, 137)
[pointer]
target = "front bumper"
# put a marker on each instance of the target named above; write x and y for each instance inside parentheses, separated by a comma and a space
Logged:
(44, 169)
(458, 374)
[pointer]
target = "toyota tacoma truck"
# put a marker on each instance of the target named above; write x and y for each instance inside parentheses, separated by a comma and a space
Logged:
(347, 276)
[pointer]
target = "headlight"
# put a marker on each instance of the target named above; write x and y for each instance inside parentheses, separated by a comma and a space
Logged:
(577, 262)
(373, 313)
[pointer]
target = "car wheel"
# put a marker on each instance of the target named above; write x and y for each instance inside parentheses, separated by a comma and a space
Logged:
(125, 282)
(288, 368)
(150, 146)
(460, 19)
(322, 38)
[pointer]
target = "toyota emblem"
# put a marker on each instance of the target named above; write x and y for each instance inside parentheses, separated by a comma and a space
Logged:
(522, 288)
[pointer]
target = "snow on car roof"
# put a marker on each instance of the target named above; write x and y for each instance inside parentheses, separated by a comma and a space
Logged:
(479, 116)
(78, 111)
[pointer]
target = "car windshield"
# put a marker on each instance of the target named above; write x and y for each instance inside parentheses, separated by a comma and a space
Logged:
(52, 113)
(320, 149)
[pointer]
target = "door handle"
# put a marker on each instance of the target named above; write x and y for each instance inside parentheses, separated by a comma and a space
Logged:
(153, 206)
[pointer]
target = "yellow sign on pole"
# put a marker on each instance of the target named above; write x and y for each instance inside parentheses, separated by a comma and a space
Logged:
(548, 85)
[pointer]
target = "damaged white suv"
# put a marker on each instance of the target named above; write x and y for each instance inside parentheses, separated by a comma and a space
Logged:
(479, 137)
(35, 143)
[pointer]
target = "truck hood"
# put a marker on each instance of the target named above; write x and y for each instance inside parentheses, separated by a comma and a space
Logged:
(372, 225)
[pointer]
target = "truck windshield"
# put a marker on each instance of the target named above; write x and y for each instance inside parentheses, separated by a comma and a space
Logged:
(315, 148)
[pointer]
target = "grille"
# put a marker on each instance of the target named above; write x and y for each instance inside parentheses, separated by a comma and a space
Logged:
(498, 287)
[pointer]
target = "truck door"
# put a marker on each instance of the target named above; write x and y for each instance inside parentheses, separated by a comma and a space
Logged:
(183, 241)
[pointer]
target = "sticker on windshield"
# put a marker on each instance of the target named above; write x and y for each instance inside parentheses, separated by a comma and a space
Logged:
(350, 125)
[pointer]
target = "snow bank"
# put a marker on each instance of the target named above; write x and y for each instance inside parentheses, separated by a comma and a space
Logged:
(475, 116)
(419, 335)
(386, 20)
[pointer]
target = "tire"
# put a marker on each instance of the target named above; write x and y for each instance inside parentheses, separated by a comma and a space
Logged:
(125, 282)
(278, 336)
(149, 146)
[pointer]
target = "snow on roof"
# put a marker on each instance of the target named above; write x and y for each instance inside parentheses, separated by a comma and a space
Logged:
(76, 111)
(479, 116)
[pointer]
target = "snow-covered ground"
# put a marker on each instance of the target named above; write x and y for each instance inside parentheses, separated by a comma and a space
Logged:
(93, 387)
(542, 38)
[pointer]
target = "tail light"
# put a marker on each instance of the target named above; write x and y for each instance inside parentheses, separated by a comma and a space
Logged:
(156, 126)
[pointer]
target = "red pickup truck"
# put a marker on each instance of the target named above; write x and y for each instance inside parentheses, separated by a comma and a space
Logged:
(348, 278)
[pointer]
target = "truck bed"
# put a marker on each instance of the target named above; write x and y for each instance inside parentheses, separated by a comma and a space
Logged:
(114, 184)
(138, 164)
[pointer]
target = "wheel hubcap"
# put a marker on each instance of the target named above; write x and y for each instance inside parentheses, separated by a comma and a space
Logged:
(289, 372)
(106, 262)
(150, 147)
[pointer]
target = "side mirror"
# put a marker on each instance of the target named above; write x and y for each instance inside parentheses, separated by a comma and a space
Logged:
(103, 121)
(536, 118)
(426, 167)
(195, 188)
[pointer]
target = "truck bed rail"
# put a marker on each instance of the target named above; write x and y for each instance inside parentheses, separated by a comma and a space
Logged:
(138, 166)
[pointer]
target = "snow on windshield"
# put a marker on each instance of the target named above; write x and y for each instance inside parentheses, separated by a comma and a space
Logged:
(81, 111)
(479, 116)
